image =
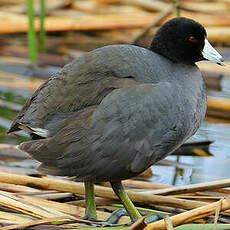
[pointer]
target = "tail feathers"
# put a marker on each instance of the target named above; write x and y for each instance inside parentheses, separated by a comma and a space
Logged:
(52, 170)
(41, 132)
(40, 150)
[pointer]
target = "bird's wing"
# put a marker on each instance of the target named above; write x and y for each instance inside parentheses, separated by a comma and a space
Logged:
(60, 97)
(85, 82)
(132, 128)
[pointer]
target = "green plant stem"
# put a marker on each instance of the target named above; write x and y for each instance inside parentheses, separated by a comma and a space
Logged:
(203, 227)
(31, 32)
(140, 209)
(177, 5)
(177, 10)
(42, 46)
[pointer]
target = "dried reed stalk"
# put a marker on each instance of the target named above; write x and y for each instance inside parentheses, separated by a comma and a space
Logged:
(190, 215)
(191, 188)
(74, 187)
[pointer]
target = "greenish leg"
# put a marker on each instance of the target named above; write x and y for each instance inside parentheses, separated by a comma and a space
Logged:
(130, 208)
(90, 211)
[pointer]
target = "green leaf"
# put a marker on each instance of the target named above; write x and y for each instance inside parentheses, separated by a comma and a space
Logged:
(106, 228)
(203, 227)
(143, 209)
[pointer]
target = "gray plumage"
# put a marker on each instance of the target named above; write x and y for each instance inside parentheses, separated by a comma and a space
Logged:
(112, 113)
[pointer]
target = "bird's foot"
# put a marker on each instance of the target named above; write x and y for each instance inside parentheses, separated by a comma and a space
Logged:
(153, 217)
(89, 218)
(113, 219)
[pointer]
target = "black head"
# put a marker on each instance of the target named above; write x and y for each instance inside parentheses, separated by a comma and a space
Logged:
(181, 40)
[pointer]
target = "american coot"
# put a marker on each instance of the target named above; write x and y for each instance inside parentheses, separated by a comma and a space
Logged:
(115, 111)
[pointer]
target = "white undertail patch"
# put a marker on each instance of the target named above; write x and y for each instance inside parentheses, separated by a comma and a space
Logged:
(40, 132)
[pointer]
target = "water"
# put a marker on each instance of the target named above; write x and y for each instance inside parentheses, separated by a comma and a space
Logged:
(200, 169)
(190, 169)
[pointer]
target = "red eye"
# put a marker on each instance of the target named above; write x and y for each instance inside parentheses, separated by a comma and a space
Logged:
(192, 39)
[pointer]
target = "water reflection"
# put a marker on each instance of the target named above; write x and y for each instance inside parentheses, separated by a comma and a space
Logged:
(218, 166)
(202, 169)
